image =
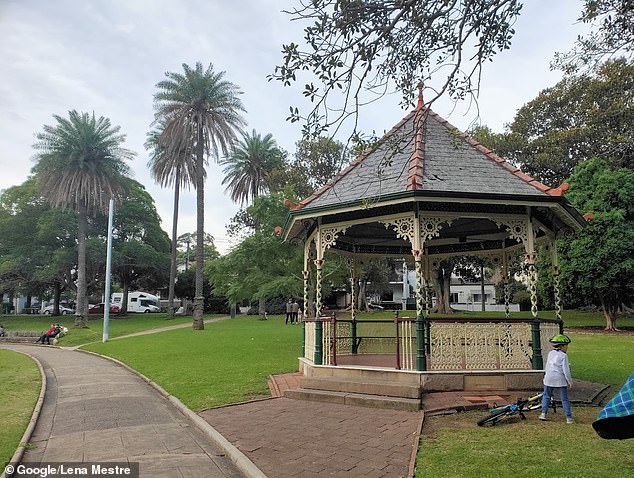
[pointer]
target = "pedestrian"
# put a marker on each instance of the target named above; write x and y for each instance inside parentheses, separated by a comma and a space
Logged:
(289, 312)
(3, 333)
(557, 376)
(295, 312)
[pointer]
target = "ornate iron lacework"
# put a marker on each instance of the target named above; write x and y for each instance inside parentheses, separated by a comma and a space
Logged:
(474, 346)
(517, 229)
(329, 236)
(404, 228)
(430, 227)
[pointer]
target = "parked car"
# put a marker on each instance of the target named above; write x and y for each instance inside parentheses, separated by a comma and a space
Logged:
(63, 309)
(99, 308)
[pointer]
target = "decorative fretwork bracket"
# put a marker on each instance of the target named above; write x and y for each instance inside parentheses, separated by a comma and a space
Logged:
(404, 228)
(329, 236)
(517, 229)
(430, 226)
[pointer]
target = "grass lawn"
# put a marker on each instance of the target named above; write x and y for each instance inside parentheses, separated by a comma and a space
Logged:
(455, 446)
(93, 332)
(226, 363)
(601, 358)
(20, 379)
(532, 448)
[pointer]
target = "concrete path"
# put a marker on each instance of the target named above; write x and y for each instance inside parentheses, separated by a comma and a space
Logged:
(95, 410)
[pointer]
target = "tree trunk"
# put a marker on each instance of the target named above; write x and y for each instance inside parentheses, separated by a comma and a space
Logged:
(443, 281)
(57, 293)
(81, 308)
(170, 298)
(362, 301)
(198, 323)
(124, 299)
(261, 309)
(609, 312)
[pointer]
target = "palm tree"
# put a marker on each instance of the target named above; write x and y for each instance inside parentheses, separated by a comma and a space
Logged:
(178, 170)
(202, 113)
(248, 166)
(80, 166)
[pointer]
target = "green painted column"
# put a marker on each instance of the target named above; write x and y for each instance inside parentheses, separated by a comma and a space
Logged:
(538, 360)
(319, 338)
(421, 357)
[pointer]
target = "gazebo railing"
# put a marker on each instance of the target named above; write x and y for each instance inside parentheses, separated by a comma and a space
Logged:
(450, 343)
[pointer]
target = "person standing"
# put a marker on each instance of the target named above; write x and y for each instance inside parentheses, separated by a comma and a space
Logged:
(295, 312)
(289, 312)
(557, 376)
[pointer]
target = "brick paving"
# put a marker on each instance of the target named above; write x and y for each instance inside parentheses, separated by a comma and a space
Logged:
(291, 438)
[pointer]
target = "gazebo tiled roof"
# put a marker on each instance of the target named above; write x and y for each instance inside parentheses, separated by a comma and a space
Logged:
(425, 153)
(427, 168)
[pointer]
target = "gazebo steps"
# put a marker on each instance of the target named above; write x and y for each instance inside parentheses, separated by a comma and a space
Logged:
(356, 399)
(362, 386)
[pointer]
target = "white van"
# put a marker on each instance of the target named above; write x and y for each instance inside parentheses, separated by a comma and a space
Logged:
(142, 302)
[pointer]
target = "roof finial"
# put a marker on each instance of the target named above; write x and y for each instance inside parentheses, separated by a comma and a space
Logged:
(421, 103)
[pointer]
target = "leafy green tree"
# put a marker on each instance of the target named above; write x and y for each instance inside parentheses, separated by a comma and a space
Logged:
(357, 51)
(140, 247)
(202, 113)
(599, 262)
(262, 266)
(81, 166)
(178, 170)
(248, 167)
(577, 119)
(611, 35)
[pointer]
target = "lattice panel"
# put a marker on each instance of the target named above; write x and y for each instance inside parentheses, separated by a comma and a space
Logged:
(480, 346)
(309, 341)
(481, 349)
(515, 348)
(546, 331)
(446, 346)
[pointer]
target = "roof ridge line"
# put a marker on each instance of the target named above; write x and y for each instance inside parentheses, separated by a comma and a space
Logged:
(499, 160)
(355, 162)
(416, 166)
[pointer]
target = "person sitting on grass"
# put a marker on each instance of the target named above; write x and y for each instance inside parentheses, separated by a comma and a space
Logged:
(3, 332)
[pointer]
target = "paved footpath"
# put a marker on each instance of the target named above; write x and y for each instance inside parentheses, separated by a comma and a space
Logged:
(289, 438)
(96, 410)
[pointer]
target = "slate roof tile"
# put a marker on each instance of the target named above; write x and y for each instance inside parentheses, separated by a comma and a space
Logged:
(433, 157)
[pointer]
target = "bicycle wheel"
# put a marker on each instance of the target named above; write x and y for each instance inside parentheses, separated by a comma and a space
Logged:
(492, 419)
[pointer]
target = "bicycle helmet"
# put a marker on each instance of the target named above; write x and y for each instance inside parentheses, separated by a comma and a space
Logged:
(560, 339)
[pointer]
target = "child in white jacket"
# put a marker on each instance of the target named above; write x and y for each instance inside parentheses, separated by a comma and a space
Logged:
(557, 376)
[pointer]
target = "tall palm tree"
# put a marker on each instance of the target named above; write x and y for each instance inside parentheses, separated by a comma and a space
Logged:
(178, 170)
(202, 113)
(80, 166)
(248, 166)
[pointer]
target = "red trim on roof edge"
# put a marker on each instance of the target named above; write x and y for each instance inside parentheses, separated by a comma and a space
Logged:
(354, 163)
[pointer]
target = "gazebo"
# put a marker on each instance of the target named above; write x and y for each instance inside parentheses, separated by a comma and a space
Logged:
(426, 192)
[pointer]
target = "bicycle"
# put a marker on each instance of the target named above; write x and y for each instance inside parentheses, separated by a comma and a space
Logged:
(505, 412)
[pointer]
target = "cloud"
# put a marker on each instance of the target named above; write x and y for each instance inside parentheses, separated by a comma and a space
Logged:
(107, 56)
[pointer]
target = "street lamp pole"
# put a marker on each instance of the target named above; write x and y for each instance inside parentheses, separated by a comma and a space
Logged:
(106, 306)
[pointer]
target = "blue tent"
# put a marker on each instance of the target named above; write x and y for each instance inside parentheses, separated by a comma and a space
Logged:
(616, 420)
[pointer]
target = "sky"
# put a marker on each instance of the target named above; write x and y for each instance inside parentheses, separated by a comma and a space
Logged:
(106, 56)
